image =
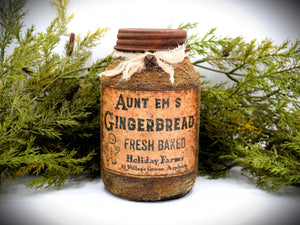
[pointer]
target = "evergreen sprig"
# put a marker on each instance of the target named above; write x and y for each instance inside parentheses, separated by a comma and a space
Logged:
(253, 119)
(49, 102)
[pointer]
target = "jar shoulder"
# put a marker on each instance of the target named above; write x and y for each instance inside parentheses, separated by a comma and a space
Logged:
(185, 77)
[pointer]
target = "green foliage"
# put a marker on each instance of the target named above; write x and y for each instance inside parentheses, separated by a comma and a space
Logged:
(253, 119)
(49, 103)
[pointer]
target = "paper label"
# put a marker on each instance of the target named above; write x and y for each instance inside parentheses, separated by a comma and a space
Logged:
(149, 133)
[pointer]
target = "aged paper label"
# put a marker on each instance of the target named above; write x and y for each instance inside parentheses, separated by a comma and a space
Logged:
(149, 133)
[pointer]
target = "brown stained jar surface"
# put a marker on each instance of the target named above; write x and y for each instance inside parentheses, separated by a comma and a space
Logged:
(147, 186)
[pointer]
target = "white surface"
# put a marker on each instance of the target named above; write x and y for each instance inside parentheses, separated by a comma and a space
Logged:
(233, 200)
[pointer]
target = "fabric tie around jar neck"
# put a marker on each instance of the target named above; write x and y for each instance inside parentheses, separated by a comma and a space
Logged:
(134, 62)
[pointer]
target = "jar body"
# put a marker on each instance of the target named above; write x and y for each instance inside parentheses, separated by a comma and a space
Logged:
(149, 133)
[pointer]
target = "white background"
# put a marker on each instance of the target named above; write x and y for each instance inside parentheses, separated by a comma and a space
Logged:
(232, 200)
(252, 19)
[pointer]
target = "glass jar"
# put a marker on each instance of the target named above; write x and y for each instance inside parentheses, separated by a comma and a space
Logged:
(150, 111)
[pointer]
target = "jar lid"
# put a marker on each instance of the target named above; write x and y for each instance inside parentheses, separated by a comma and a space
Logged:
(141, 39)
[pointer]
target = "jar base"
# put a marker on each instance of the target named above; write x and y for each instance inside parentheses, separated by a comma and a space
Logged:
(148, 189)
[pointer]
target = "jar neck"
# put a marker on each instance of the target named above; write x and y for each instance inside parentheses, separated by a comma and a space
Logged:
(137, 62)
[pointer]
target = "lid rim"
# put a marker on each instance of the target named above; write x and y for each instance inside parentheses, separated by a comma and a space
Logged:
(149, 39)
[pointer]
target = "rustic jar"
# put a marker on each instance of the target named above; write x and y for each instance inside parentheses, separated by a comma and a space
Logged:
(150, 108)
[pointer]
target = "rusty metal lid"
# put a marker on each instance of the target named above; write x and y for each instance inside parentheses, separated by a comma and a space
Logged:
(141, 39)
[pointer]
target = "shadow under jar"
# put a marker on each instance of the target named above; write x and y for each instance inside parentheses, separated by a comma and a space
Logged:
(149, 121)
